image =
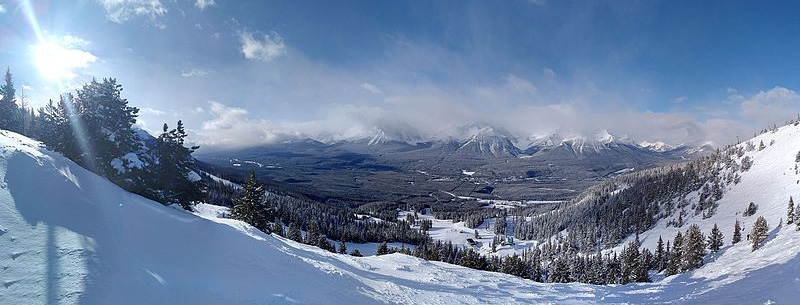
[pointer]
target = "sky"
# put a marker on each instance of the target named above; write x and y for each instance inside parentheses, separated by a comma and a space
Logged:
(243, 73)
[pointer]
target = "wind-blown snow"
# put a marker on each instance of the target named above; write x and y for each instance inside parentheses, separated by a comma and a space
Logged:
(86, 241)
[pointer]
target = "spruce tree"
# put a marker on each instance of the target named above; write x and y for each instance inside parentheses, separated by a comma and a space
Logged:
(660, 256)
(759, 232)
(171, 167)
(249, 206)
(294, 233)
(312, 235)
(716, 239)
(694, 248)
(356, 253)
(737, 233)
(277, 228)
(10, 113)
(675, 261)
(790, 215)
(383, 248)
(342, 247)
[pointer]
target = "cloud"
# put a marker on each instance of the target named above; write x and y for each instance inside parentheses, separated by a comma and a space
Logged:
(538, 2)
(371, 88)
(153, 111)
(680, 99)
(773, 106)
(549, 73)
(203, 4)
(265, 49)
(518, 84)
(194, 73)
(230, 127)
(120, 11)
(2, 9)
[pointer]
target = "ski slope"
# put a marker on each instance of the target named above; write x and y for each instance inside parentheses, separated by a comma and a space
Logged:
(68, 236)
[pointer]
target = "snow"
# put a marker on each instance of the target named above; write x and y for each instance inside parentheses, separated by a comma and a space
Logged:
(86, 241)
(132, 159)
(467, 173)
(193, 176)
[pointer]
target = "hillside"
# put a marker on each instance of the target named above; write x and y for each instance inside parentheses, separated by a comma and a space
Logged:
(68, 236)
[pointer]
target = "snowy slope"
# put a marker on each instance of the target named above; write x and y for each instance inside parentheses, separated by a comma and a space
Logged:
(68, 236)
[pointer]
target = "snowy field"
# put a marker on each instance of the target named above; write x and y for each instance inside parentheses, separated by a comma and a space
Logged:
(68, 236)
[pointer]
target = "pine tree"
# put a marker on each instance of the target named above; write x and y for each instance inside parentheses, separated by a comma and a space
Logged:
(694, 248)
(660, 256)
(342, 247)
(716, 239)
(356, 253)
(10, 113)
(277, 228)
(790, 215)
(312, 235)
(759, 232)
(294, 233)
(383, 248)
(761, 146)
(737, 233)
(675, 262)
(171, 167)
(249, 206)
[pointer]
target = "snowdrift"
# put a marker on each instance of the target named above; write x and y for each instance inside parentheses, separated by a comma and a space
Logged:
(68, 236)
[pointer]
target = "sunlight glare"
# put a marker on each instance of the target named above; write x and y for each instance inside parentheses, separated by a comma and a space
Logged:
(56, 62)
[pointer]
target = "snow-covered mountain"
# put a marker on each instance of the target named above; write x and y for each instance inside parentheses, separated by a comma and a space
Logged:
(86, 241)
(482, 140)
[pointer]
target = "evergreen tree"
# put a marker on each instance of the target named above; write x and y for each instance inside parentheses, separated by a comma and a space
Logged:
(759, 232)
(790, 215)
(106, 124)
(249, 206)
(383, 248)
(660, 256)
(694, 248)
(10, 113)
(737, 233)
(342, 247)
(716, 239)
(277, 228)
(356, 253)
(294, 233)
(761, 146)
(675, 262)
(312, 235)
(171, 169)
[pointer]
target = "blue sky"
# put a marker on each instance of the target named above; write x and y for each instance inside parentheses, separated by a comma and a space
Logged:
(250, 72)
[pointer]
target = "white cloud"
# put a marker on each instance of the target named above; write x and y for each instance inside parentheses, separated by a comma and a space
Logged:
(2, 9)
(266, 49)
(371, 88)
(549, 73)
(194, 73)
(680, 99)
(203, 4)
(153, 111)
(773, 106)
(231, 127)
(520, 85)
(120, 11)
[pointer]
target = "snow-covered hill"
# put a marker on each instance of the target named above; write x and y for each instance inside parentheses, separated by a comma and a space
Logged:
(68, 236)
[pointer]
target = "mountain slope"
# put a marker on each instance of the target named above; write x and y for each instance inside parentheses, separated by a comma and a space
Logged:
(68, 236)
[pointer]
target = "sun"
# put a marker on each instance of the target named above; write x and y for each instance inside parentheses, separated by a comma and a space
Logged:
(57, 62)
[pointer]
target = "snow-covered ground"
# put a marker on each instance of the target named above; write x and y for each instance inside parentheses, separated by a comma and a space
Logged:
(68, 236)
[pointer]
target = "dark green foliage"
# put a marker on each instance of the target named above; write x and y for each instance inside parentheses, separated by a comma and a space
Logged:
(790, 213)
(675, 262)
(694, 248)
(759, 232)
(660, 255)
(249, 207)
(356, 253)
(11, 115)
(170, 169)
(342, 247)
(383, 248)
(751, 209)
(716, 239)
(737, 233)
(294, 233)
